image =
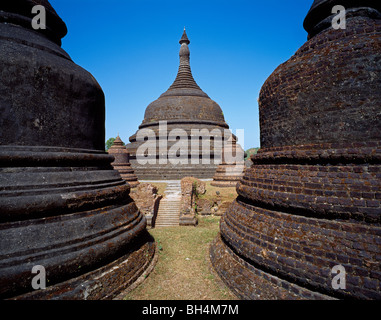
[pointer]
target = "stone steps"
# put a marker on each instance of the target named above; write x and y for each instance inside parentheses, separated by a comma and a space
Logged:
(169, 208)
(173, 189)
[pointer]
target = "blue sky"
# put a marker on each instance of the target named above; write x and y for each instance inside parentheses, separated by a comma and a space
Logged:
(131, 47)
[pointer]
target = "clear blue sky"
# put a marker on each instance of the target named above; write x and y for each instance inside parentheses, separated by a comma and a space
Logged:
(131, 47)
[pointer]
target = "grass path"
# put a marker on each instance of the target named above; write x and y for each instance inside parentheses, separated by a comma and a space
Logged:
(183, 271)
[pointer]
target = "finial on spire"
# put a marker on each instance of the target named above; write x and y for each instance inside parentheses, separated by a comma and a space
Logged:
(184, 79)
(184, 38)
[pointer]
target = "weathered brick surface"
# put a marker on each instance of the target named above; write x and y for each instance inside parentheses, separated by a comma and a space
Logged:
(331, 191)
(312, 200)
(122, 163)
(62, 206)
(322, 153)
(191, 188)
(147, 200)
(297, 108)
(304, 249)
(232, 166)
(261, 285)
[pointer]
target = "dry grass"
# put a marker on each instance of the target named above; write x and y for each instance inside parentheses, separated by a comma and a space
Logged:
(226, 194)
(183, 271)
(161, 186)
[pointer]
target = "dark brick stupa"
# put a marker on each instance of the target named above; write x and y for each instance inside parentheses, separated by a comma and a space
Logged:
(183, 106)
(311, 200)
(122, 163)
(62, 206)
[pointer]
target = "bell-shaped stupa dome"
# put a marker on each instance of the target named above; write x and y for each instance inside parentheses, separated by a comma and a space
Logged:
(183, 111)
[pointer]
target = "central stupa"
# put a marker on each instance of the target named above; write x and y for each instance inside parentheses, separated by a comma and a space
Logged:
(183, 131)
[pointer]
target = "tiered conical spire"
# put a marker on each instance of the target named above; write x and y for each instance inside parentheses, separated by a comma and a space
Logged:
(184, 38)
(184, 78)
(122, 162)
(232, 167)
(117, 142)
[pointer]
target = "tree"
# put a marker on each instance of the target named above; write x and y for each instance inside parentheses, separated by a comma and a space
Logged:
(250, 152)
(109, 143)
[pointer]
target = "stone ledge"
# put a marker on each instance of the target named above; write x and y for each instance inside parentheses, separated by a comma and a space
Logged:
(250, 283)
(107, 282)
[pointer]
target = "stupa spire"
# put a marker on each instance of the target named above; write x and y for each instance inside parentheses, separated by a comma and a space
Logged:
(184, 38)
(118, 141)
(184, 78)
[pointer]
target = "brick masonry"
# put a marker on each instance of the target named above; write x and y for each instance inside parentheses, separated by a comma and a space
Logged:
(62, 206)
(122, 163)
(186, 107)
(232, 166)
(312, 199)
(297, 109)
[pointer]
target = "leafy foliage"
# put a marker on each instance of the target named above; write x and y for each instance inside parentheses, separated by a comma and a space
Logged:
(109, 143)
(250, 152)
